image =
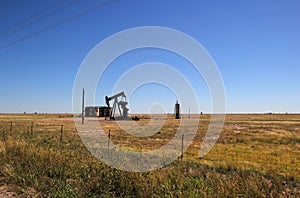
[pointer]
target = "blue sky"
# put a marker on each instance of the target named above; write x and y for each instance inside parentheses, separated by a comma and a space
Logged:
(255, 44)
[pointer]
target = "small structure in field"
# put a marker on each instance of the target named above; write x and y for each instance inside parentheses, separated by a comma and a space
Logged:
(97, 111)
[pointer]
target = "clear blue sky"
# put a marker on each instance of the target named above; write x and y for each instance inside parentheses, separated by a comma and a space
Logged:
(255, 44)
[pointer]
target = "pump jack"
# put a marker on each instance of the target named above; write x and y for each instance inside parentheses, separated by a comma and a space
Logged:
(118, 104)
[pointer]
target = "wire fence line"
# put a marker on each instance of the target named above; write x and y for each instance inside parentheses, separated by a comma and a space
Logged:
(10, 128)
(284, 161)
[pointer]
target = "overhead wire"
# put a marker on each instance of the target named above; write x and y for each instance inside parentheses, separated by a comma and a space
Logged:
(37, 19)
(29, 18)
(99, 6)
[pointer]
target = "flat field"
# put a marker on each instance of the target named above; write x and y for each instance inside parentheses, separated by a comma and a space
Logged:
(255, 156)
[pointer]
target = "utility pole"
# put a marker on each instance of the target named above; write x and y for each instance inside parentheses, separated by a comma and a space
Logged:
(82, 110)
(181, 157)
(189, 112)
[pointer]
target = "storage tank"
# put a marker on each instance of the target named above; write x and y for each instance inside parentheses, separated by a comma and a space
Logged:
(177, 110)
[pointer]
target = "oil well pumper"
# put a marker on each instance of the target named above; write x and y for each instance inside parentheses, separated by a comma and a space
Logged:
(118, 104)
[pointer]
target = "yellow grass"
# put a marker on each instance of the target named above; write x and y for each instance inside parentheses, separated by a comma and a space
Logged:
(263, 142)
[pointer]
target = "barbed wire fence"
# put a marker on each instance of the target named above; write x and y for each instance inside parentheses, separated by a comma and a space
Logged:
(285, 162)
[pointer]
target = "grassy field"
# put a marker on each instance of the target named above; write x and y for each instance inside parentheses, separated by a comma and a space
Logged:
(256, 156)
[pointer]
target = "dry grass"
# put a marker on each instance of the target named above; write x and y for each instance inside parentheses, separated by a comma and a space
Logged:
(256, 155)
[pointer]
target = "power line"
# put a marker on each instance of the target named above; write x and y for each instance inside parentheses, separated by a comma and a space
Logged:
(99, 6)
(34, 19)
(29, 18)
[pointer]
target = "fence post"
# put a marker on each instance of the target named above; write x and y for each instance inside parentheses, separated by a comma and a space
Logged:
(108, 141)
(181, 157)
(4, 138)
(61, 131)
(31, 128)
(11, 126)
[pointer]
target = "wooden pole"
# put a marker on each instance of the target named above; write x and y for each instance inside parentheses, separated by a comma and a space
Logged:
(108, 141)
(82, 110)
(4, 137)
(182, 138)
(11, 126)
(61, 131)
(31, 128)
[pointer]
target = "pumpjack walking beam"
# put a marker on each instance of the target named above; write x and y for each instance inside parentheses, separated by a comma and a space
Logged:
(117, 104)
